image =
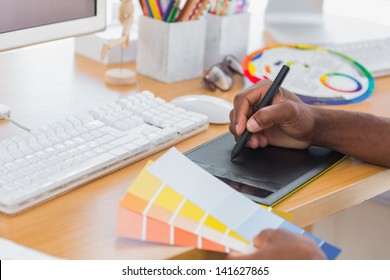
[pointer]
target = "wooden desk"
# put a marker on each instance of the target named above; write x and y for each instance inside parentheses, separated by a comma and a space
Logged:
(46, 83)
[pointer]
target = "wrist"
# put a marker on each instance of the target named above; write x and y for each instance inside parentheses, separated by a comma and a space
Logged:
(320, 116)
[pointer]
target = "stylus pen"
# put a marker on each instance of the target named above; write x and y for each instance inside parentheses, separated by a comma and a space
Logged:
(264, 102)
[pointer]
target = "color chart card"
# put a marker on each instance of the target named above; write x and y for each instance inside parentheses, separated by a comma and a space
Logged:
(188, 206)
(317, 75)
(148, 203)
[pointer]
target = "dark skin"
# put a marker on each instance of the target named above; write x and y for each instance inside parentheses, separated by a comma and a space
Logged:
(290, 123)
(281, 245)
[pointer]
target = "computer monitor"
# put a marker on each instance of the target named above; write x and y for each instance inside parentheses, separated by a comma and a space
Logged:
(24, 23)
(294, 12)
(315, 22)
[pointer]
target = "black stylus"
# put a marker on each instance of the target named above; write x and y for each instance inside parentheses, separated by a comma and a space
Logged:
(264, 102)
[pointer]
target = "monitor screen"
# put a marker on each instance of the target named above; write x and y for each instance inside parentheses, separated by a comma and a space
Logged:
(26, 22)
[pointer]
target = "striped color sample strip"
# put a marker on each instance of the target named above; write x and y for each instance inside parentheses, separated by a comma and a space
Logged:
(137, 226)
(151, 198)
(224, 204)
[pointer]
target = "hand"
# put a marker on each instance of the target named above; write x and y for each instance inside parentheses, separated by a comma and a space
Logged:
(287, 122)
(282, 245)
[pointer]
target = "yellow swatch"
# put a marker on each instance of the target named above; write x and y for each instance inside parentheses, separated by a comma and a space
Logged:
(235, 235)
(191, 211)
(145, 185)
(168, 199)
(215, 224)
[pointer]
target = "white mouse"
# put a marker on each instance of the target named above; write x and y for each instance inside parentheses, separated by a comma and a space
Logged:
(217, 109)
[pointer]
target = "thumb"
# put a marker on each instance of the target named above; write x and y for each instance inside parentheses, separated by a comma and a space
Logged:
(278, 113)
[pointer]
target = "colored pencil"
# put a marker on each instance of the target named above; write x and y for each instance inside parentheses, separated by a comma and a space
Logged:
(168, 10)
(154, 8)
(175, 9)
(200, 10)
(187, 10)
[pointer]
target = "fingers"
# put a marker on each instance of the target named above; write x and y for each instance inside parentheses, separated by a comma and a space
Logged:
(263, 237)
(281, 244)
(244, 104)
(284, 113)
(259, 241)
(287, 112)
(257, 141)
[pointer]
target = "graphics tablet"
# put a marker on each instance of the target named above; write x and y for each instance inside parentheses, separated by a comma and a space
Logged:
(265, 175)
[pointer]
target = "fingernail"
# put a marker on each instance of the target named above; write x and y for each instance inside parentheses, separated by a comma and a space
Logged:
(252, 125)
(262, 142)
(250, 143)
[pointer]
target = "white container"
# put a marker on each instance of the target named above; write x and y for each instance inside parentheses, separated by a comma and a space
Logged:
(171, 52)
(226, 35)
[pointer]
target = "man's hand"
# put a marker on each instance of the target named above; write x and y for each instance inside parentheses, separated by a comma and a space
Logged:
(282, 245)
(287, 122)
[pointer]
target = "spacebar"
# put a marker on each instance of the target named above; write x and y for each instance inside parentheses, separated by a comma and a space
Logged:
(83, 168)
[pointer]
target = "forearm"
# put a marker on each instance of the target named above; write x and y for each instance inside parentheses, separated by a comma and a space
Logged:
(359, 135)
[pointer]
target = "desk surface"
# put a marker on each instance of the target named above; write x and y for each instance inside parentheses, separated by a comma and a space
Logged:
(47, 83)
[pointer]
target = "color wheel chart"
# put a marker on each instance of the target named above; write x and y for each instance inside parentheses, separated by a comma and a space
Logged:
(174, 201)
(318, 75)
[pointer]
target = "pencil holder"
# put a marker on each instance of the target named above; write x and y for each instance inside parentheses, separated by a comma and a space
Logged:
(171, 52)
(226, 35)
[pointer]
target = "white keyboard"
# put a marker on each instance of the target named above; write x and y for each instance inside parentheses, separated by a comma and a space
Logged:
(374, 55)
(54, 159)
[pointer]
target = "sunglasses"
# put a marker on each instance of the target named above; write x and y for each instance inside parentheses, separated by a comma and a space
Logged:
(220, 76)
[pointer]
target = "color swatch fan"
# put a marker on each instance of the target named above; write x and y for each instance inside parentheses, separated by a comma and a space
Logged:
(174, 201)
(318, 75)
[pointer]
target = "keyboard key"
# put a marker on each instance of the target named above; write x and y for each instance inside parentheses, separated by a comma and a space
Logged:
(83, 168)
(58, 157)
(373, 54)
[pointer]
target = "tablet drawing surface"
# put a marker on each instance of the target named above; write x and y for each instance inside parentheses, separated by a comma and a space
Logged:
(265, 175)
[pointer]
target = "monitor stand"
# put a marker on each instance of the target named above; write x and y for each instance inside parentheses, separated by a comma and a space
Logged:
(305, 22)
